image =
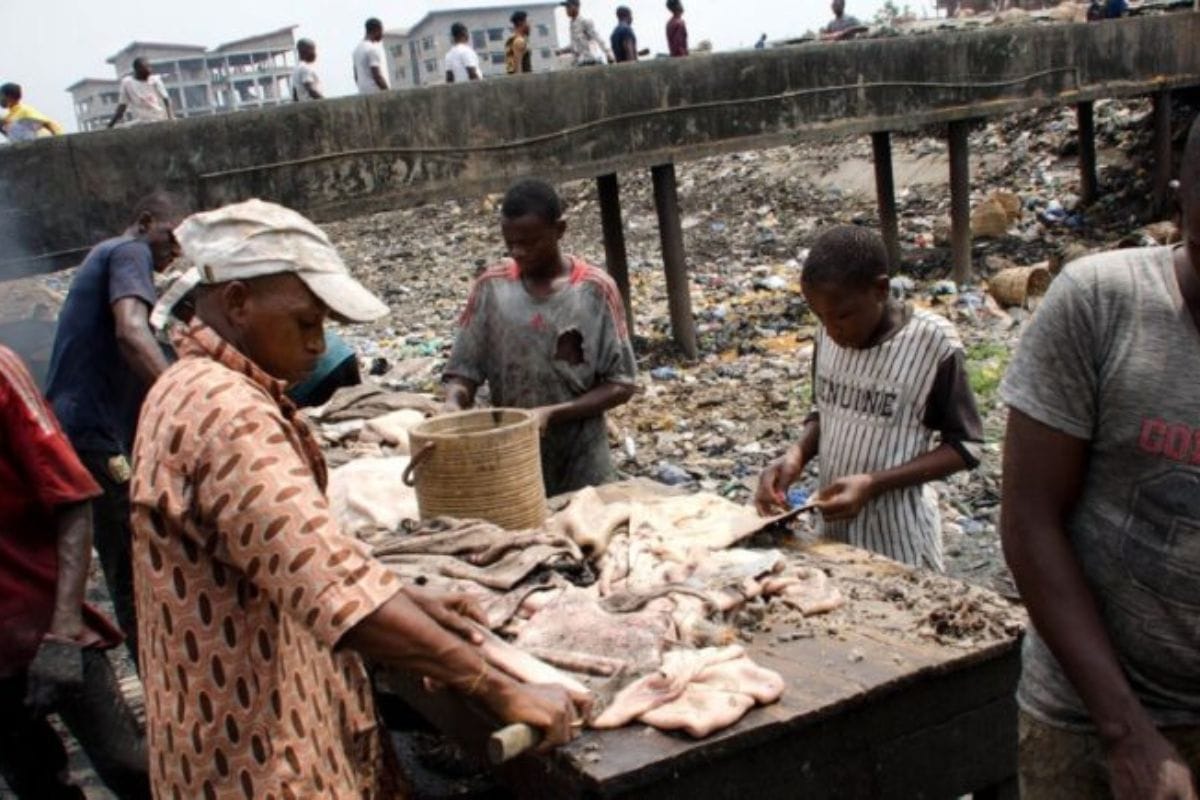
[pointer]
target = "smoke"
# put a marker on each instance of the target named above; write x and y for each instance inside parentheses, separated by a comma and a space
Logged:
(28, 306)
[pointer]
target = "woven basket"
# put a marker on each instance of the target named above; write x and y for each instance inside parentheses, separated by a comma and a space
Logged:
(1015, 286)
(482, 464)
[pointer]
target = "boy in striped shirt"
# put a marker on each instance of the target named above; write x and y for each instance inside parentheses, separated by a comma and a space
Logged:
(893, 409)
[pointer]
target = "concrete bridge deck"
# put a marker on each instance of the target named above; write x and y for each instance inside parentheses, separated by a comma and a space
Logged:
(349, 155)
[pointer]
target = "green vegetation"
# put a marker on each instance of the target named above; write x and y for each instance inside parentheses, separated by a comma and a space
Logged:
(986, 363)
(889, 11)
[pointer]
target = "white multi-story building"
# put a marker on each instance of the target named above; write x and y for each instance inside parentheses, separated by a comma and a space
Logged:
(254, 72)
(415, 56)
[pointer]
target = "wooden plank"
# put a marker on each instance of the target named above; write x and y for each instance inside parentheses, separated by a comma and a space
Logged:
(885, 195)
(1162, 152)
(960, 201)
(1088, 180)
(864, 693)
(670, 231)
(615, 258)
(828, 679)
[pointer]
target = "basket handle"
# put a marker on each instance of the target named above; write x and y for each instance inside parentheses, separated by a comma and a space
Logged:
(422, 455)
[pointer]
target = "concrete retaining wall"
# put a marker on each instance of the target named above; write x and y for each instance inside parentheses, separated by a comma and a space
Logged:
(349, 155)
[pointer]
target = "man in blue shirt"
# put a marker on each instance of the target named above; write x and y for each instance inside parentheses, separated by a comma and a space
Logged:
(624, 40)
(104, 360)
(337, 368)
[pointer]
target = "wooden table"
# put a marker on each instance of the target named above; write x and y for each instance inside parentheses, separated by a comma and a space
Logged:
(866, 713)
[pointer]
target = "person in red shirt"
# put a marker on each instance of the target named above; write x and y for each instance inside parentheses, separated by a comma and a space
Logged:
(51, 642)
(677, 43)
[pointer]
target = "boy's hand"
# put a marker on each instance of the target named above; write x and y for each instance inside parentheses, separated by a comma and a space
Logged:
(773, 484)
(541, 416)
(845, 497)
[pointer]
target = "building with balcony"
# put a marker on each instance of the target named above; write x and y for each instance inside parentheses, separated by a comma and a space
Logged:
(415, 56)
(254, 72)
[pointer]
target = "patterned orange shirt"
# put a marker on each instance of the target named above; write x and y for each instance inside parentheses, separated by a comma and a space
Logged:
(244, 587)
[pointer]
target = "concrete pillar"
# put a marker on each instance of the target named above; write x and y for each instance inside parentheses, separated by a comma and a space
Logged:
(1088, 181)
(1162, 152)
(885, 192)
(670, 231)
(960, 202)
(614, 240)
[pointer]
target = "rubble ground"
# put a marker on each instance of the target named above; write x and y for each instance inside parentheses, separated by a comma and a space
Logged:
(748, 219)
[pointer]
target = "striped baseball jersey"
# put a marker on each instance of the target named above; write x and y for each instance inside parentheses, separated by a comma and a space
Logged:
(874, 406)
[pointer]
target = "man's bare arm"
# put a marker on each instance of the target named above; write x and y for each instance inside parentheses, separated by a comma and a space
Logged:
(460, 393)
(73, 524)
(377, 76)
(117, 115)
(137, 344)
(1043, 476)
(592, 403)
(403, 634)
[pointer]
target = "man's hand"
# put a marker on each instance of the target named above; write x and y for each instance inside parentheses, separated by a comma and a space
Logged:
(771, 497)
(457, 612)
(1143, 764)
(541, 415)
(55, 674)
(845, 497)
(543, 706)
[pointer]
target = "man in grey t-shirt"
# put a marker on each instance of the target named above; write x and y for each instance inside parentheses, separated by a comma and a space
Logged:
(1101, 521)
(546, 332)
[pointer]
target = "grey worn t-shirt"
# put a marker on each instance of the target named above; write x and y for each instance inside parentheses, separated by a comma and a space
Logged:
(1112, 357)
(534, 352)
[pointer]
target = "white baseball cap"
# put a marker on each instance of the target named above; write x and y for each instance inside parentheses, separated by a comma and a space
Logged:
(255, 238)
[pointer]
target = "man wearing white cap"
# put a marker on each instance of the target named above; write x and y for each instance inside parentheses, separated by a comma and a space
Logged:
(253, 607)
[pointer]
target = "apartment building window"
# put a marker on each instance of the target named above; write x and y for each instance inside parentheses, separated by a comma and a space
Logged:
(479, 40)
(430, 64)
(543, 31)
(495, 34)
(197, 96)
(397, 51)
(546, 54)
(497, 58)
(427, 43)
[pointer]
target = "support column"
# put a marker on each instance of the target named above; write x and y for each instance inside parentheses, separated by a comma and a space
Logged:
(670, 231)
(614, 240)
(1162, 152)
(885, 192)
(1088, 181)
(960, 202)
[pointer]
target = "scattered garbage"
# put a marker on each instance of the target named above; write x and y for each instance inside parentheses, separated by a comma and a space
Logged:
(943, 288)
(718, 421)
(1015, 286)
(798, 497)
(664, 374)
(672, 475)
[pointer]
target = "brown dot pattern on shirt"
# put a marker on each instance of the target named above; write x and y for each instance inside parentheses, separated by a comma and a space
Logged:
(244, 585)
